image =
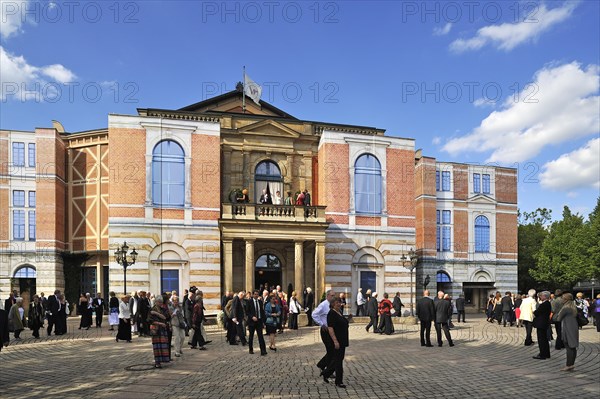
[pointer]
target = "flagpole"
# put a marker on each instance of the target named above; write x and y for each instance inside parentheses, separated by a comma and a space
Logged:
(244, 91)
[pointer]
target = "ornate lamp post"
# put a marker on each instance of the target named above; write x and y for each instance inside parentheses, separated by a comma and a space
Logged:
(410, 262)
(121, 258)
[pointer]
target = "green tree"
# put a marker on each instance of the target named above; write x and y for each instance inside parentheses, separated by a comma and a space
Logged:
(563, 258)
(531, 235)
(592, 237)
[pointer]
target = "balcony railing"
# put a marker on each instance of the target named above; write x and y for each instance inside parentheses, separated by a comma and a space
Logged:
(279, 213)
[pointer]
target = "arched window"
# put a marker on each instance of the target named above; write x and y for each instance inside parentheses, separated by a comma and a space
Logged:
(268, 261)
(367, 184)
(168, 174)
(267, 176)
(26, 272)
(443, 277)
(482, 234)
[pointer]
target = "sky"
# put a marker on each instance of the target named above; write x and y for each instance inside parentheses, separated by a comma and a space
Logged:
(511, 83)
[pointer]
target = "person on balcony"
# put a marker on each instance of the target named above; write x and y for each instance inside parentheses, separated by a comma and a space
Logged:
(288, 200)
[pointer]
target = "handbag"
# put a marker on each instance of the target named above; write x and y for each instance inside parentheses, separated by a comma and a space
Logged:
(581, 319)
(154, 329)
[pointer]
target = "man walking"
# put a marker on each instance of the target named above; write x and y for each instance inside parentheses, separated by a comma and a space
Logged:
(373, 313)
(397, 305)
(360, 303)
(541, 322)
(460, 307)
(319, 316)
(443, 311)
(99, 309)
(256, 321)
(237, 316)
(426, 313)
(309, 304)
(557, 304)
(507, 308)
(53, 308)
(528, 306)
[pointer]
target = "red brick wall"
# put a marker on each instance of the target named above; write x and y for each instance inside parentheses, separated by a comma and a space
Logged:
(168, 213)
(206, 171)
(368, 221)
(400, 182)
(506, 235)
(127, 166)
(506, 185)
(425, 206)
(461, 232)
(334, 180)
(461, 181)
(4, 196)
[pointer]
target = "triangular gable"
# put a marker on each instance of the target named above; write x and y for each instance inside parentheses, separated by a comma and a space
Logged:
(482, 198)
(232, 102)
(269, 128)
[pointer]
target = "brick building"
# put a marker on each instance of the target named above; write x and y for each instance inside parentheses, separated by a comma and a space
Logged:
(166, 182)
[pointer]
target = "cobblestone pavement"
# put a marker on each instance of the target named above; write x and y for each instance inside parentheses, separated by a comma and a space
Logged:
(488, 361)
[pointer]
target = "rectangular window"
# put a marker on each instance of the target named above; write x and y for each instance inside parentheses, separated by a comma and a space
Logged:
(19, 198)
(437, 180)
(19, 225)
(32, 199)
(32, 225)
(476, 183)
(486, 184)
(169, 280)
(437, 239)
(446, 217)
(368, 281)
(31, 155)
(18, 154)
(445, 181)
(446, 238)
(437, 214)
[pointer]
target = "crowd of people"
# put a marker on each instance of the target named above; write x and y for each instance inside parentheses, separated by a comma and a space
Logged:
(167, 319)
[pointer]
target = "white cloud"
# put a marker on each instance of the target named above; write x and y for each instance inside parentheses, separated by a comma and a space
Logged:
(437, 31)
(507, 36)
(10, 17)
(561, 104)
(17, 76)
(484, 102)
(436, 140)
(574, 170)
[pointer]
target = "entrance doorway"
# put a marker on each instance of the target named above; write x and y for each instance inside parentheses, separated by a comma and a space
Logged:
(444, 282)
(25, 278)
(267, 271)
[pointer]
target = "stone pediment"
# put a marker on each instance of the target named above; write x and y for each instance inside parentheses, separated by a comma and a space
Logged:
(269, 128)
(482, 199)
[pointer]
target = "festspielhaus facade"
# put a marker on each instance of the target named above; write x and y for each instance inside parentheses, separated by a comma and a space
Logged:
(166, 182)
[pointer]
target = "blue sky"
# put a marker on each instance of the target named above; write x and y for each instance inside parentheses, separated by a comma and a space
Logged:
(510, 83)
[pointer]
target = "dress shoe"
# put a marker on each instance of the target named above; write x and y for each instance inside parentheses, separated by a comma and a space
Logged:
(422, 344)
(325, 379)
(367, 328)
(451, 344)
(539, 357)
(207, 342)
(568, 368)
(251, 352)
(340, 386)
(440, 345)
(201, 348)
(429, 346)
(263, 353)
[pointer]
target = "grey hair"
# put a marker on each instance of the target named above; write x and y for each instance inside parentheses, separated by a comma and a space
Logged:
(531, 293)
(19, 300)
(545, 294)
(159, 299)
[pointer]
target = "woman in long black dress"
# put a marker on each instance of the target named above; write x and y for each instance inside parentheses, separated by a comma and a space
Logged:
(82, 308)
(124, 331)
(36, 316)
(338, 331)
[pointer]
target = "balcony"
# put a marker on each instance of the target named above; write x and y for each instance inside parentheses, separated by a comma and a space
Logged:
(274, 213)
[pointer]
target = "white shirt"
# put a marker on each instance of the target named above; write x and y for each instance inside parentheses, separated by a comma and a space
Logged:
(294, 308)
(124, 311)
(528, 306)
(319, 315)
(360, 299)
(276, 200)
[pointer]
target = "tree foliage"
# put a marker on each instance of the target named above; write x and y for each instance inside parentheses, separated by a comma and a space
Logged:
(570, 251)
(531, 235)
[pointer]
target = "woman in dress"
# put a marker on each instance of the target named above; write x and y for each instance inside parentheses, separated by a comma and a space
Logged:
(337, 326)
(159, 325)
(497, 310)
(489, 311)
(61, 317)
(113, 311)
(582, 306)
(567, 316)
(82, 308)
(294, 312)
(284, 311)
(124, 331)
(273, 313)
(16, 318)
(36, 316)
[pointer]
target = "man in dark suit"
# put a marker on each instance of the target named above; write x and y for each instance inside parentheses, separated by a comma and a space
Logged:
(11, 300)
(397, 305)
(309, 304)
(426, 313)
(99, 309)
(373, 313)
(443, 312)
(237, 317)
(557, 304)
(507, 308)
(306, 198)
(53, 307)
(256, 321)
(541, 322)
(4, 337)
(460, 307)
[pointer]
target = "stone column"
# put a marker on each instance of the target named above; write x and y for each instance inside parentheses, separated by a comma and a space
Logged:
(298, 265)
(319, 270)
(100, 278)
(228, 265)
(249, 264)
